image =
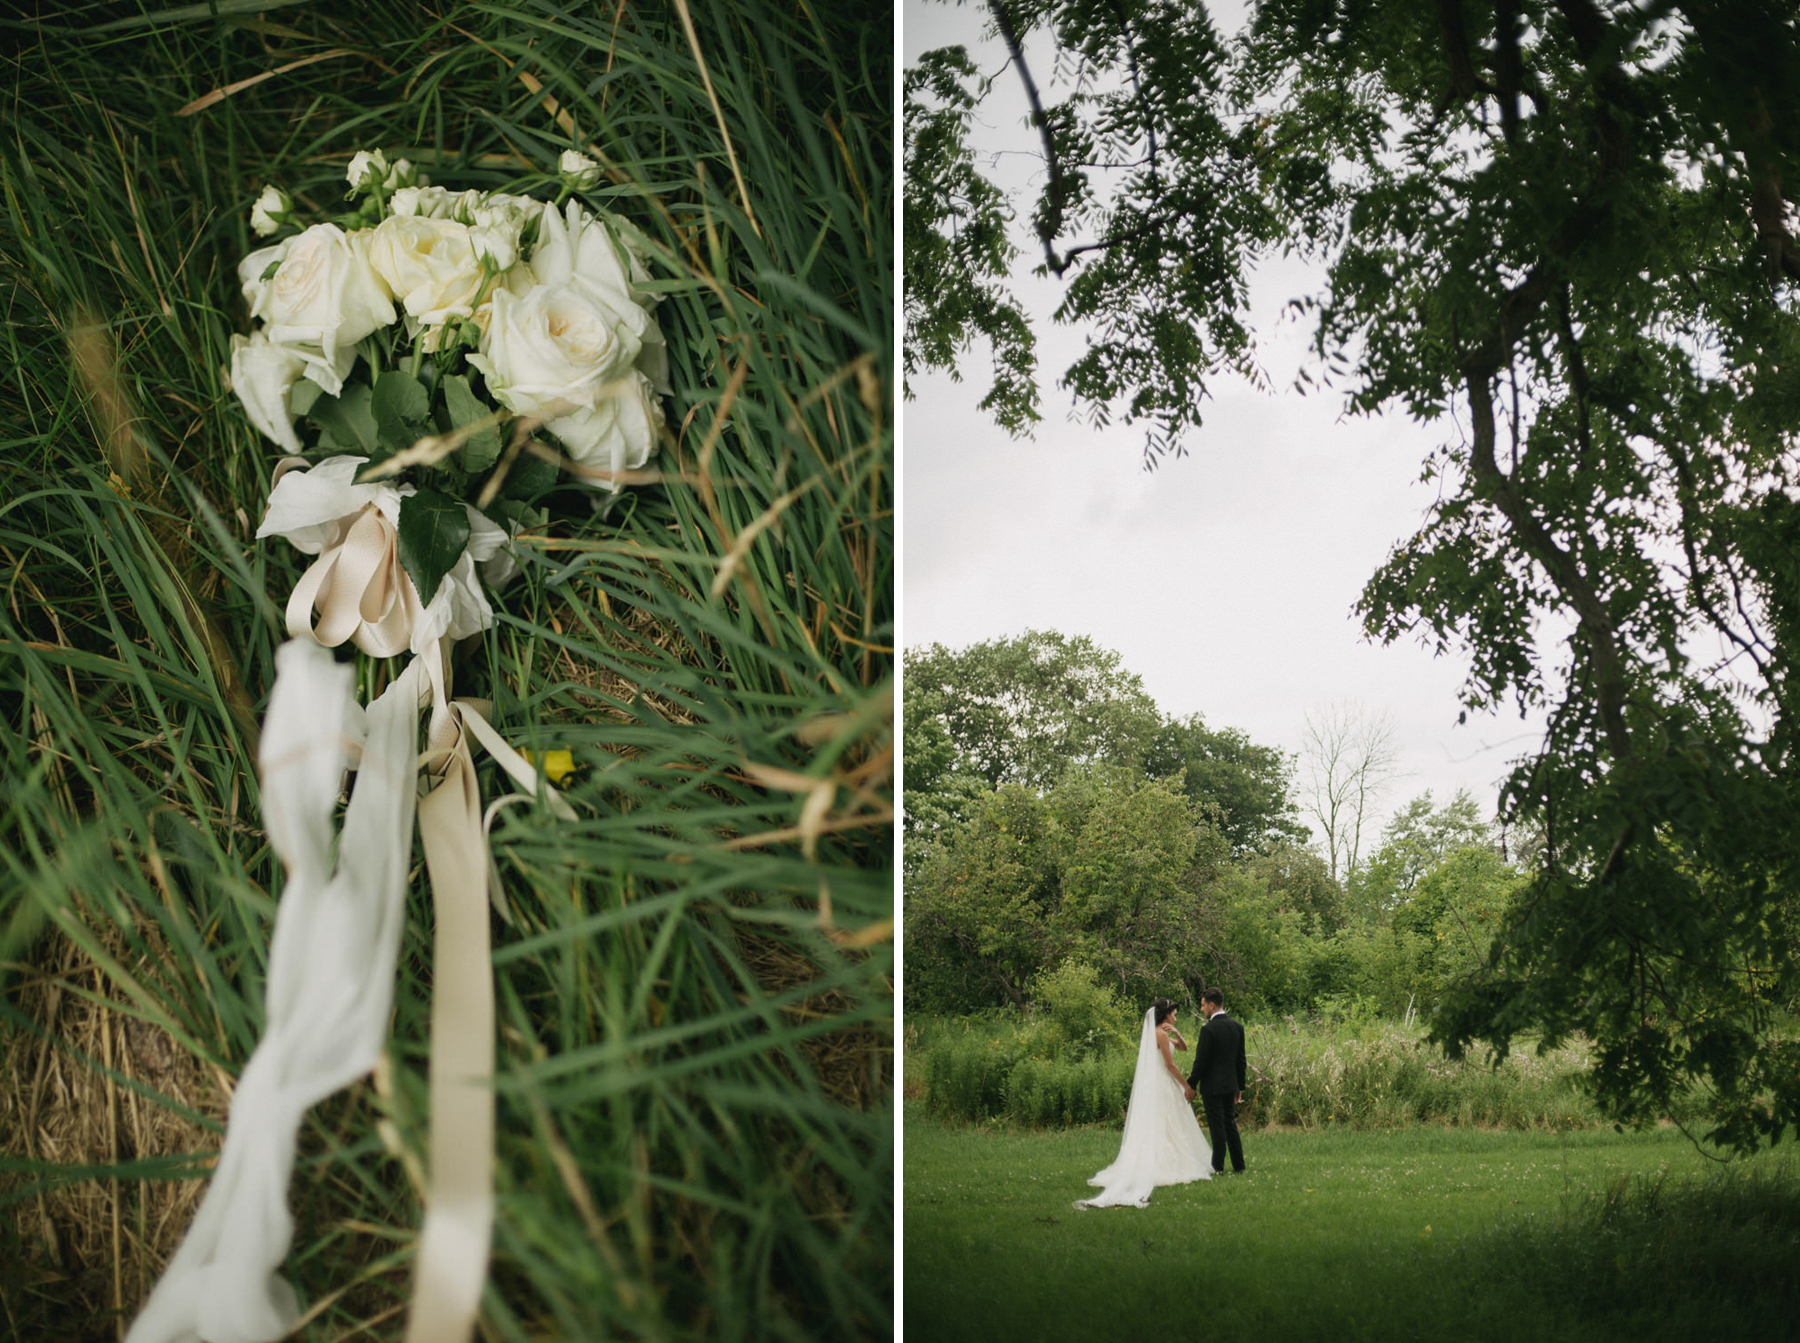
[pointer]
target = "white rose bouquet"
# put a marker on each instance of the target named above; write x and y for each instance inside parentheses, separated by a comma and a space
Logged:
(393, 346)
(420, 325)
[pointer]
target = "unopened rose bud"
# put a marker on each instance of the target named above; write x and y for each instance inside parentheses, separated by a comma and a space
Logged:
(578, 170)
(272, 209)
(368, 171)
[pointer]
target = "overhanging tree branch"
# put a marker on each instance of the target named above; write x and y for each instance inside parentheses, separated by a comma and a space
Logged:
(1050, 223)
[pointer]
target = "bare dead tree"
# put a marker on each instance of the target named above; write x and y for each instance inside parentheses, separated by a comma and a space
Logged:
(1350, 759)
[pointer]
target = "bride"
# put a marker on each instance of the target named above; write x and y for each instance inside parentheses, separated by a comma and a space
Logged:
(1162, 1142)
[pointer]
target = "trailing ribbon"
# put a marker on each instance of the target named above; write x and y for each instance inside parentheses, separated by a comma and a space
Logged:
(337, 934)
(330, 986)
(459, 1211)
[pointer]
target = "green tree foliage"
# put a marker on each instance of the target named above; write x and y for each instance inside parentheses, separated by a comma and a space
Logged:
(1250, 785)
(1416, 839)
(1106, 868)
(1460, 904)
(1566, 223)
(1413, 949)
(978, 916)
(940, 793)
(1023, 710)
(1087, 1015)
(956, 223)
(1299, 882)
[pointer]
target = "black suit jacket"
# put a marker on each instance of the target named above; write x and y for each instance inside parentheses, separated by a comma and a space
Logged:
(1219, 1057)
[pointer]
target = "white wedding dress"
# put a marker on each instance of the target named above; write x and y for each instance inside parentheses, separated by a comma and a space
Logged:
(1162, 1142)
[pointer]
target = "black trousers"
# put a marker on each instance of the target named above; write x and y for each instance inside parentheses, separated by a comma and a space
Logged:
(1221, 1123)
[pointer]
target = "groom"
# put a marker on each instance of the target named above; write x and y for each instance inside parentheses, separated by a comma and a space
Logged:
(1219, 1078)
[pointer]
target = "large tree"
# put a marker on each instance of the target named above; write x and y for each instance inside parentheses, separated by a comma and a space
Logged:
(1564, 227)
(1249, 786)
(1106, 867)
(1022, 710)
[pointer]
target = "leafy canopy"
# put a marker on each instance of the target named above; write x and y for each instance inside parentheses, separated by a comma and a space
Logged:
(1566, 226)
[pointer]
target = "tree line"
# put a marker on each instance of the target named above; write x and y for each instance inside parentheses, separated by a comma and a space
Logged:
(1065, 838)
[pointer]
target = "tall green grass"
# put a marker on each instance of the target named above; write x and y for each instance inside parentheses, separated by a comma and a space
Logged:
(694, 991)
(1673, 1255)
(1314, 1074)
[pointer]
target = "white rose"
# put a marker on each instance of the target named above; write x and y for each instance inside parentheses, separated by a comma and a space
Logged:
(462, 207)
(498, 209)
(429, 265)
(258, 269)
(580, 170)
(576, 245)
(617, 433)
(565, 354)
(555, 349)
(572, 242)
(263, 376)
(496, 223)
(498, 245)
(322, 299)
(271, 208)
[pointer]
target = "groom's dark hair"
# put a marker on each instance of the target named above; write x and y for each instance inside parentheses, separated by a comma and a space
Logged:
(1211, 996)
(1163, 1007)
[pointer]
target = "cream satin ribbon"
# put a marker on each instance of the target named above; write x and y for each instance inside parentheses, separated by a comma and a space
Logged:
(334, 949)
(359, 589)
(459, 1207)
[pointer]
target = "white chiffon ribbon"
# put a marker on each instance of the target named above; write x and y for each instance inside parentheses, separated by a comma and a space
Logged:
(330, 986)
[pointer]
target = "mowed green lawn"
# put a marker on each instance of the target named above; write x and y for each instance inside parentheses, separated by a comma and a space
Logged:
(1333, 1234)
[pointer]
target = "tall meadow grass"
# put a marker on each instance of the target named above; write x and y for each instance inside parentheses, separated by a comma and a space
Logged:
(1303, 1075)
(694, 978)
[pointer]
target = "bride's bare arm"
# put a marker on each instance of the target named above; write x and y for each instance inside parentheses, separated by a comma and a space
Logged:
(1162, 1043)
(1180, 1043)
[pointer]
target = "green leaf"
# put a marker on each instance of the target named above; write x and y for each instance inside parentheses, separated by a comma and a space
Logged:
(305, 394)
(401, 406)
(434, 531)
(347, 421)
(482, 449)
(514, 513)
(530, 476)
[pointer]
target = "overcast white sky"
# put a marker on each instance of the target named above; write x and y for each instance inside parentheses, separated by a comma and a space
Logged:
(1225, 578)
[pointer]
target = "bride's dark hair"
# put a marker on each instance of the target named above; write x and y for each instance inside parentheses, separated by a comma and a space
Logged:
(1163, 1007)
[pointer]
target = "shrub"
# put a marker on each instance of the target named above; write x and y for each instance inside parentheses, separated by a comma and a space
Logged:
(1048, 1092)
(1088, 1016)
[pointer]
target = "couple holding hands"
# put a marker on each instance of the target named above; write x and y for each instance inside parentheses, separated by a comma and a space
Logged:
(1162, 1143)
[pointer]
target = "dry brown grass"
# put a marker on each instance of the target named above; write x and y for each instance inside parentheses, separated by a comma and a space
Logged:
(644, 628)
(100, 1241)
(855, 1066)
